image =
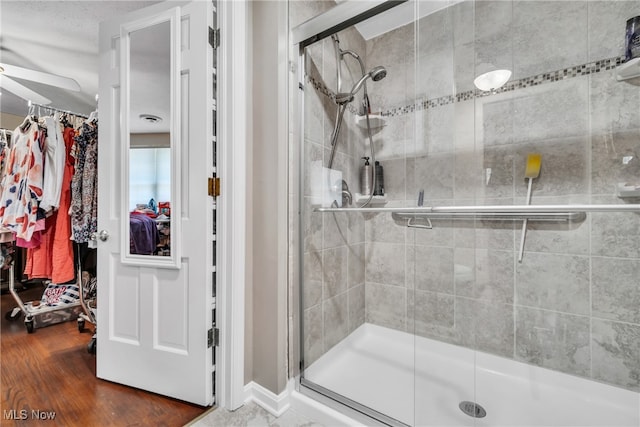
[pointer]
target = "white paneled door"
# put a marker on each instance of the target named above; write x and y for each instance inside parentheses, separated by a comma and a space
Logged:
(155, 322)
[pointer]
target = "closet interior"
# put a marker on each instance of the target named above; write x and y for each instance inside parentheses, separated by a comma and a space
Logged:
(48, 215)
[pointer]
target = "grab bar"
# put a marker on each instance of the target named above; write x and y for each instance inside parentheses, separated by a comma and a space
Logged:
(492, 208)
(494, 216)
(504, 209)
(570, 213)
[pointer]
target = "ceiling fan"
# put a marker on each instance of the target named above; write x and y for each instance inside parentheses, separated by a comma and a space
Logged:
(8, 83)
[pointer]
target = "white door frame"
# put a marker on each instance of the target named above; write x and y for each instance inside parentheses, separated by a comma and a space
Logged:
(233, 18)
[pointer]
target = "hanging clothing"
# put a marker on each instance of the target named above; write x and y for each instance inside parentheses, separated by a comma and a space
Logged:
(5, 233)
(4, 151)
(54, 259)
(54, 160)
(22, 182)
(143, 234)
(84, 188)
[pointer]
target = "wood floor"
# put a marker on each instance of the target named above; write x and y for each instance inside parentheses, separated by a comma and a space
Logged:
(50, 370)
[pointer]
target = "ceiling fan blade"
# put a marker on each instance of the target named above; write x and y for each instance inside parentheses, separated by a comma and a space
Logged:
(40, 77)
(22, 91)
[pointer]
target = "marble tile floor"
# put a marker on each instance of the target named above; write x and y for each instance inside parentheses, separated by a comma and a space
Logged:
(251, 415)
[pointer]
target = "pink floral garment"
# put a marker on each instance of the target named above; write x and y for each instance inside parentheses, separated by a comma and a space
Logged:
(22, 181)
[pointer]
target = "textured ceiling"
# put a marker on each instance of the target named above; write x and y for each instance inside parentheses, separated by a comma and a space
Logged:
(58, 37)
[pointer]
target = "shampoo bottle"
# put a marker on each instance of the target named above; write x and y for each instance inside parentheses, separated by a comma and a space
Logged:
(366, 177)
(632, 39)
(379, 190)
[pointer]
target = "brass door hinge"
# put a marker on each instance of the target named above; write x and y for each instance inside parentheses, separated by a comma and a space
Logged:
(213, 337)
(214, 187)
(214, 37)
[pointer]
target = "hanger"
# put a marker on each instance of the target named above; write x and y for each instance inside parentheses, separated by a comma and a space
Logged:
(93, 117)
(26, 124)
(64, 120)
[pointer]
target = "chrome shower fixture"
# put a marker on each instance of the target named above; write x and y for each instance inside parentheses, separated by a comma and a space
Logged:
(376, 74)
(344, 98)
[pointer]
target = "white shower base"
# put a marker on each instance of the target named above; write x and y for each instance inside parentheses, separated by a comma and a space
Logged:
(421, 382)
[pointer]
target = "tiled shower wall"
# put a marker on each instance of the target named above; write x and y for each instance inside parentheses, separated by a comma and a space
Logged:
(573, 304)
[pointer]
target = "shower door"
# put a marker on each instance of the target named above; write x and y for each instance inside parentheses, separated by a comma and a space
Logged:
(357, 343)
(438, 304)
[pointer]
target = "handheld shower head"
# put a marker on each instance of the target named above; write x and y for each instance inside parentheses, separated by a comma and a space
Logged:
(376, 74)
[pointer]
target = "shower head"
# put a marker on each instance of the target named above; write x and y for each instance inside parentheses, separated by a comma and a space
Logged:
(376, 74)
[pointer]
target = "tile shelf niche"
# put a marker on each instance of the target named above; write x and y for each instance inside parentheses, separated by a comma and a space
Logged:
(376, 121)
(629, 70)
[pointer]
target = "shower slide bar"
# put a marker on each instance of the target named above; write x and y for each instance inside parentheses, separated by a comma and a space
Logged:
(569, 213)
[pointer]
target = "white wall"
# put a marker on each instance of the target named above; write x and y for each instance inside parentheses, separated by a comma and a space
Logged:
(266, 293)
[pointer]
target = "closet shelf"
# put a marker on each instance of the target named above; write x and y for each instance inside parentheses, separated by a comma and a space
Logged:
(376, 121)
(628, 70)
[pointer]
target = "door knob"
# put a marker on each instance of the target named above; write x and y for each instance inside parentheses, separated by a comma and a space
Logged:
(103, 235)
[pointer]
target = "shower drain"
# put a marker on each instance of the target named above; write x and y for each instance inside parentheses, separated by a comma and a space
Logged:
(472, 409)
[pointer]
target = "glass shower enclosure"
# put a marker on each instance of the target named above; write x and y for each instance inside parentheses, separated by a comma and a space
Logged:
(495, 278)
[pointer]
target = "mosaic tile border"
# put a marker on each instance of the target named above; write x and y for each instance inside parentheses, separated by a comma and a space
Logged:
(537, 80)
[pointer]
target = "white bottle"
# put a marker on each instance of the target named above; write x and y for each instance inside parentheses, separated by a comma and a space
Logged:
(366, 178)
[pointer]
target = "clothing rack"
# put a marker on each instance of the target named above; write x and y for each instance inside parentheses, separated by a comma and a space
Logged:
(49, 108)
(5, 134)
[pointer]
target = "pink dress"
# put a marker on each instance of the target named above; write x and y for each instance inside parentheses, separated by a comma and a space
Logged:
(22, 182)
(54, 257)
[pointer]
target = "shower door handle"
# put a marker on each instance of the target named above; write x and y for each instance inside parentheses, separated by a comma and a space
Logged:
(412, 224)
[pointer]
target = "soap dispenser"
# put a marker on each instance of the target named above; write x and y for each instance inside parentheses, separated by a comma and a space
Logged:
(366, 177)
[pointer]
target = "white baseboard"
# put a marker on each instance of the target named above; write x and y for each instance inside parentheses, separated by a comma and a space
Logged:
(278, 404)
(275, 404)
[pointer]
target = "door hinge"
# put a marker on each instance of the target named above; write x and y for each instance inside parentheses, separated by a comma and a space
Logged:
(214, 186)
(214, 37)
(213, 337)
